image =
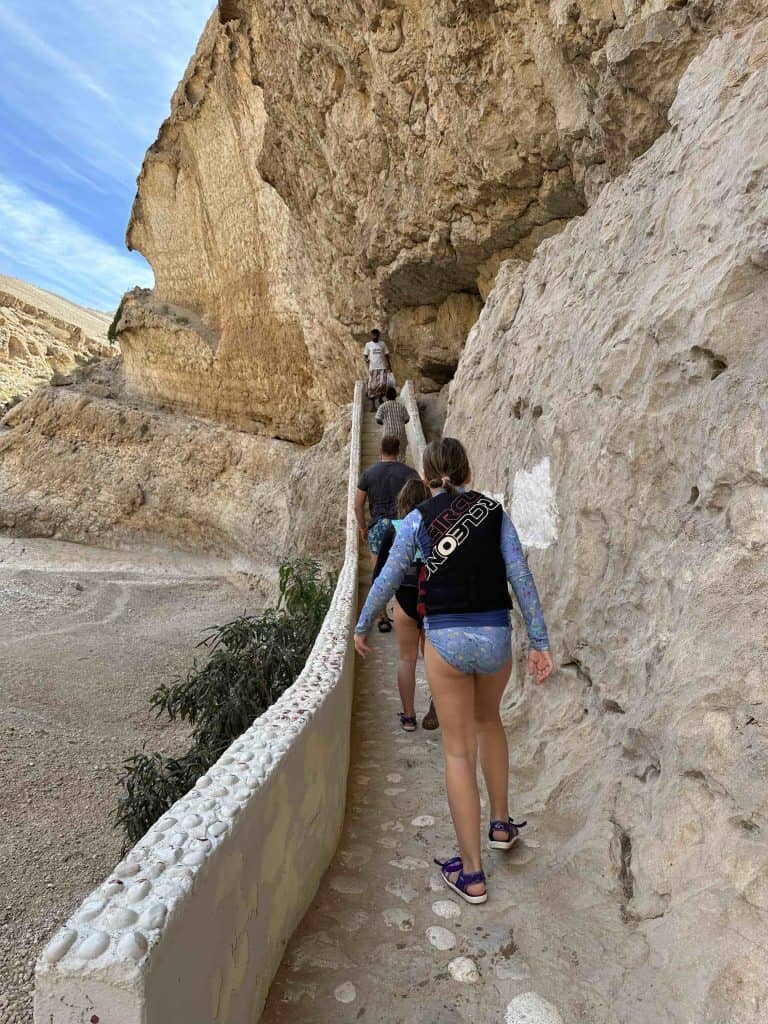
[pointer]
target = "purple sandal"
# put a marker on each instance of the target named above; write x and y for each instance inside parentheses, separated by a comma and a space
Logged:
(407, 722)
(513, 833)
(447, 867)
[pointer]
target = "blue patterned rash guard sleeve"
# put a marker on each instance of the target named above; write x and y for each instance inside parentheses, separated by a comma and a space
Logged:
(402, 555)
(521, 579)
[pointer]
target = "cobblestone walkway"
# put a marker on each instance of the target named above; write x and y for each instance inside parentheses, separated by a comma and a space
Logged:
(384, 940)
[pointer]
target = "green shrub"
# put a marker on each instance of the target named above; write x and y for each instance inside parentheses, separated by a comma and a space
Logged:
(112, 329)
(250, 662)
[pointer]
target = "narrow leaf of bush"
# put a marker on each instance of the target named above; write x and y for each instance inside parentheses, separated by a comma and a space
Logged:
(250, 662)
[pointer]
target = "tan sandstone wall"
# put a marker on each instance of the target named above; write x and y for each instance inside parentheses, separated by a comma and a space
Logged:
(614, 390)
(79, 463)
(331, 164)
(42, 334)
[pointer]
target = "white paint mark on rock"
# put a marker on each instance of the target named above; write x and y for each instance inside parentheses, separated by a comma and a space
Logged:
(345, 993)
(394, 790)
(394, 777)
(530, 1008)
(446, 908)
(440, 937)
(533, 508)
(464, 969)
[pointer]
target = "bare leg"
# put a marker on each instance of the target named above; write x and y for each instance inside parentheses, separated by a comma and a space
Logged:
(492, 741)
(454, 695)
(408, 642)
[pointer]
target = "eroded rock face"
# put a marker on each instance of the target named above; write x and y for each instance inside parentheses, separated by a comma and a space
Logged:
(82, 464)
(42, 334)
(331, 165)
(614, 391)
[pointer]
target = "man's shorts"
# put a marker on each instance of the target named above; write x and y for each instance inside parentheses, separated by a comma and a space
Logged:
(376, 534)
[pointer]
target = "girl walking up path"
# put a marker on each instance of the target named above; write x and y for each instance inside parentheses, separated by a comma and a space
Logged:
(471, 552)
(408, 622)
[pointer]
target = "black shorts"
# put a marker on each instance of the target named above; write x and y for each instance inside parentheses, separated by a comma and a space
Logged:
(408, 599)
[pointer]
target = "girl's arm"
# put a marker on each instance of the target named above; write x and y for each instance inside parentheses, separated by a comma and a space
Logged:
(521, 579)
(391, 576)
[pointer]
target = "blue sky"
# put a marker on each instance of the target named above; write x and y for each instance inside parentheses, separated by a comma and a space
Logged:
(84, 87)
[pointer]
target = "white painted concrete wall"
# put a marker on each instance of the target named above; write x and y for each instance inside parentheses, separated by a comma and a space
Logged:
(416, 439)
(192, 925)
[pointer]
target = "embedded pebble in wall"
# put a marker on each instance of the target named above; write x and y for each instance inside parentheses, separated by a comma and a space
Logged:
(59, 945)
(395, 791)
(126, 870)
(423, 821)
(440, 937)
(446, 908)
(191, 820)
(436, 885)
(388, 842)
(218, 828)
(138, 891)
(394, 777)
(530, 1008)
(112, 887)
(195, 857)
(464, 969)
(132, 946)
(91, 910)
(92, 947)
(120, 917)
(154, 916)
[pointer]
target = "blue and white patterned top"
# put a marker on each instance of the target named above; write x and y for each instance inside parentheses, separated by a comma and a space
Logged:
(403, 554)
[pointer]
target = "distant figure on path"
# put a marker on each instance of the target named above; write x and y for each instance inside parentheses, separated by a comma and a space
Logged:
(408, 622)
(393, 416)
(471, 553)
(377, 356)
(380, 486)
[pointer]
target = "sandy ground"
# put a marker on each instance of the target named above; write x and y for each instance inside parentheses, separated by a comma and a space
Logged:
(86, 635)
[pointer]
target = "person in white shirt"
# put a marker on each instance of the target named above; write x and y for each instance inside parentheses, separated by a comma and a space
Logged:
(377, 356)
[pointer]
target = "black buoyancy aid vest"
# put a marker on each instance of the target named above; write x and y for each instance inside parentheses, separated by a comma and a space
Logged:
(464, 571)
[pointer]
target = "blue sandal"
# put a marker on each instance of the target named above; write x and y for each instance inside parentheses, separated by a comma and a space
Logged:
(407, 722)
(447, 867)
(513, 833)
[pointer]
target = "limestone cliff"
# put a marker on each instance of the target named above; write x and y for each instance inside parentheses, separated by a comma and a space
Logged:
(614, 391)
(42, 334)
(331, 164)
(81, 464)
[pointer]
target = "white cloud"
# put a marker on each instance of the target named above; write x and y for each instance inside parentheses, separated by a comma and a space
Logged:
(54, 252)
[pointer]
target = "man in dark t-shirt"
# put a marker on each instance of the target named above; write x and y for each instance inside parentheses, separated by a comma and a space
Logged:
(380, 485)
